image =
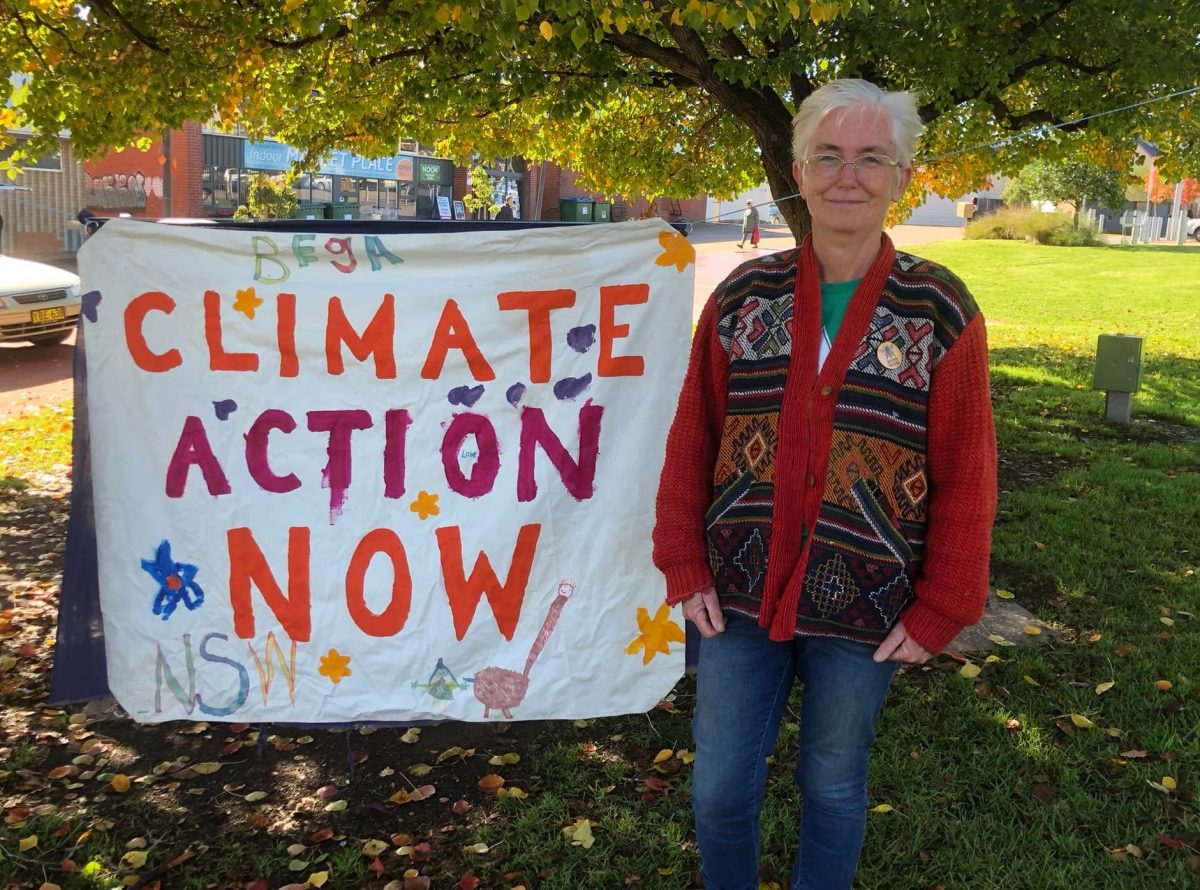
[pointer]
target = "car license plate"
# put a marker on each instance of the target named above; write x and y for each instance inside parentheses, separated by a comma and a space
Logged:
(41, 316)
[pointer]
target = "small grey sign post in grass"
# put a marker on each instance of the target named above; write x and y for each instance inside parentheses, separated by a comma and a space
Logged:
(1118, 373)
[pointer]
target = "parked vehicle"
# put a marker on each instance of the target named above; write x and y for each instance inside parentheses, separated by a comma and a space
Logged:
(1193, 228)
(38, 303)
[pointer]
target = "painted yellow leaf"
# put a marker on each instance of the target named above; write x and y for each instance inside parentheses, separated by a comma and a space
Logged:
(207, 768)
(1102, 688)
(304, 740)
(1169, 783)
(882, 808)
(296, 849)
(1005, 594)
(502, 759)
(511, 791)
(420, 769)
(677, 251)
(120, 783)
(1167, 621)
(996, 638)
(134, 859)
(411, 736)
(664, 755)
(136, 843)
(476, 848)
(318, 878)
(687, 756)
(970, 670)
(546, 30)
(255, 796)
(335, 806)
(1164, 685)
(1031, 681)
(374, 847)
(27, 843)
(1032, 629)
(992, 659)
(1082, 722)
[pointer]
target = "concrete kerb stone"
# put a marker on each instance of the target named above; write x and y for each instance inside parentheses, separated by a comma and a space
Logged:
(1004, 619)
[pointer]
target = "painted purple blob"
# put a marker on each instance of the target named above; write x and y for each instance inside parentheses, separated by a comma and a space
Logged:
(224, 408)
(515, 393)
(91, 303)
(465, 395)
(581, 338)
(570, 387)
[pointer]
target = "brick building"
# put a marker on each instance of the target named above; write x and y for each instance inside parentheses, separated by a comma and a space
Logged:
(195, 172)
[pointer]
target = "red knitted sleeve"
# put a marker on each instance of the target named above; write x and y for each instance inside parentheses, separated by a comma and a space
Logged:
(951, 591)
(685, 487)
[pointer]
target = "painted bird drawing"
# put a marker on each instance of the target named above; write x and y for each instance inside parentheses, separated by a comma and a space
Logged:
(500, 689)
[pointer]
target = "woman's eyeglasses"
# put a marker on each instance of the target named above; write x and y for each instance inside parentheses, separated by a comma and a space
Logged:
(872, 166)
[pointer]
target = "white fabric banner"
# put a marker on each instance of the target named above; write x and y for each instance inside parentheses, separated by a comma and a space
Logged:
(383, 477)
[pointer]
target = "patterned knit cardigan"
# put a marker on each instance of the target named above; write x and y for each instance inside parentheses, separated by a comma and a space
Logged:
(833, 502)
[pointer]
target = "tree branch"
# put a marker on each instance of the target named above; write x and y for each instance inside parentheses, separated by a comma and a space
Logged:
(145, 39)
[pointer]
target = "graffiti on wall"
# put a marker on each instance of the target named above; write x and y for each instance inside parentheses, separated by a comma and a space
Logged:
(121, 191)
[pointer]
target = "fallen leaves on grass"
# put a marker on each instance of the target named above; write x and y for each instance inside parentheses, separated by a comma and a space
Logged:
(580, 833)
(490, 784)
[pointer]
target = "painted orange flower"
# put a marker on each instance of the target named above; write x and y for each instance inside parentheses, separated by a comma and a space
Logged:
(655, 633)
(335, 666)
(677, 251)
(247, 301)
(425, 505)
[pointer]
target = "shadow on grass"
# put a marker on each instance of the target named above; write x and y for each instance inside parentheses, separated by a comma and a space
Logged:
(1089, 507)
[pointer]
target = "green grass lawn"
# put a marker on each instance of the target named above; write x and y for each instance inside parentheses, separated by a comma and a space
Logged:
(1072, 762)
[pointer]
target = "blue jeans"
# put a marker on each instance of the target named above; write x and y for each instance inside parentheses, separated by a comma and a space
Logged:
(741, 693)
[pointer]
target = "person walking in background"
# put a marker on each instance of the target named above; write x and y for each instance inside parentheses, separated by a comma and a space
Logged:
(508, 211)
(826, 502)
(749, 225)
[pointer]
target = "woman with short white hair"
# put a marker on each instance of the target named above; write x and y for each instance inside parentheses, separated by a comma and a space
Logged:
(825, 507)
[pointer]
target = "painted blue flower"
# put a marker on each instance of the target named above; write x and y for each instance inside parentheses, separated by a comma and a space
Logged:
(176, 582)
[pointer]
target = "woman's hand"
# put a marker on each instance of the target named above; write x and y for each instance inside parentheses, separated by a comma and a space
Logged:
(704, 611)
(899, 646)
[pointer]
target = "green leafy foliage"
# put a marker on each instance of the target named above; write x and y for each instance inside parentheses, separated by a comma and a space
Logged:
(480, 195)
(267, 198)
(1073, 181)
(1016, 224)
(668, 98)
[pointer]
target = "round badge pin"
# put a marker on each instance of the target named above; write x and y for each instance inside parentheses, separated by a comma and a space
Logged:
(889, 355)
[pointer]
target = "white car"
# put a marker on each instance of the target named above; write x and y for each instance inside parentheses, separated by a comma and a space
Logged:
(38, 303)
(1193, 228)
